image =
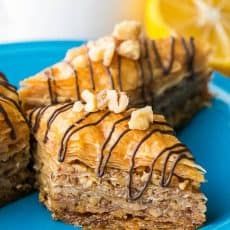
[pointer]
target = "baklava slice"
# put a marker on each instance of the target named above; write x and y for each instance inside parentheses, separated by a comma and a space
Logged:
(170, 74)
(107, 170)
(15, 178)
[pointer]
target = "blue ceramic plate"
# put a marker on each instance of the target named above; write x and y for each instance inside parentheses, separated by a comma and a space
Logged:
(207, 135)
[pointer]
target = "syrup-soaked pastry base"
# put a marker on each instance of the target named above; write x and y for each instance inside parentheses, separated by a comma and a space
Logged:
(15, 178)
(181, 102)
(75, 195)
(91, 222)
(16, 186)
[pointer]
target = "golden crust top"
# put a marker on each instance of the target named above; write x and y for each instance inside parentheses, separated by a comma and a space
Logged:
(109, 63)
(103, 140)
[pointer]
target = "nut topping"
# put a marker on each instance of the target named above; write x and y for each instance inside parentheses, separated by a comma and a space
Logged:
(102, 50)
(129, 49)
(127, 30)
(78, 106)
(141, 119)
(80, 61)
(90, 99)
(117, 102)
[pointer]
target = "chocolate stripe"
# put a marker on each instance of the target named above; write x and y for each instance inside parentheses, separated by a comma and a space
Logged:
(102, 164)
(147, 136)
(119, 69)
(166, 69)
(189, 53)
(51, 85)
(77, 87)
(70, 131)
(38, 117)
(182, 154)
(110, 77)
(53, 116)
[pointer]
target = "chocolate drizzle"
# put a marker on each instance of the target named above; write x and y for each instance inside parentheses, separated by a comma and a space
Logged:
(142, 74)
(51, 85)
(150, 68)
(189, 53)
(163, 182)
(72, 130)
(103, 160)
(76, 80)
(8, 122)
(102, 163)
(119, 69)
(166, 69)
(149, 64)
(31, 116)
(91, 72)
(38, 117)
(182, 153)
(61, 155)
(110, 77)
(130, 181)
(54, 115)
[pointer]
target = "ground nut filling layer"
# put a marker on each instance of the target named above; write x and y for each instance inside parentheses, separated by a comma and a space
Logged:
(74, 194)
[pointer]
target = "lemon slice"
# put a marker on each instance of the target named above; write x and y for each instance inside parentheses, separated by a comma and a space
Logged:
(207, 20)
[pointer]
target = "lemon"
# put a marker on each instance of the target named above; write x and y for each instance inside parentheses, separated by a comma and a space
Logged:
(207, 20)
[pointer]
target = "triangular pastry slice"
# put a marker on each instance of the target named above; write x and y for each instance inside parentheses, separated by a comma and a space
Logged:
(107, 170)
(170, 74)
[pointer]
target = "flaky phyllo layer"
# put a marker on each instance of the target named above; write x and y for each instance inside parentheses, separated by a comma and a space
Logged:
(125, 61)
(12, 120)
(14, 142)
(103, 139)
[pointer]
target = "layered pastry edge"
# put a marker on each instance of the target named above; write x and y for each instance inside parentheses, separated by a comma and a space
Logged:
(79, 188)
(16, 179)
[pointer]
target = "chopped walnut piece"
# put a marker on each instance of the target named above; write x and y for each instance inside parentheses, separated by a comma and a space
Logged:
(96, 52)
(90, 99)
(127, 30)
(80, 61)
(78, 106)
(129, 49)
(183, 184)
(74, 52)
(108, 54)
(102, 100)
(141, 119)
(117, 102)
(102, 50)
